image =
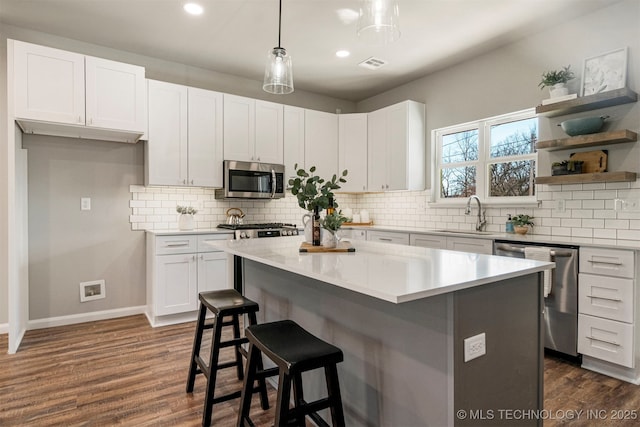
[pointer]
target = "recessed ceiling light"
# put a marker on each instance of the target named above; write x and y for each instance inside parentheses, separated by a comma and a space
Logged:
(343, 53)
(193, 8)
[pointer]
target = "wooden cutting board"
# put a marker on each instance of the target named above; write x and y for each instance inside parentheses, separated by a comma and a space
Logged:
(342, 247)
(594, 161)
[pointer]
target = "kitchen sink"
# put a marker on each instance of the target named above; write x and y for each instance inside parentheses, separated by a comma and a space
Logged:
(465, 231)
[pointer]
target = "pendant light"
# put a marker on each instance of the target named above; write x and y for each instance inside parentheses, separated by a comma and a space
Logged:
(278, 74)
(378, 21)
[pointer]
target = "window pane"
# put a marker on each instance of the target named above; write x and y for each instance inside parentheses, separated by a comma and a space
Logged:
(512, 179)
(460, 147)
(458, 182)
(514, 138)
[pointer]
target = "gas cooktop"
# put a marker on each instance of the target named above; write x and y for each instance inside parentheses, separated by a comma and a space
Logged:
(268, 229)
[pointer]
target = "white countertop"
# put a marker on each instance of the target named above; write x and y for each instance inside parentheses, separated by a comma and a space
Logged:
(394, 273)
(537, 238)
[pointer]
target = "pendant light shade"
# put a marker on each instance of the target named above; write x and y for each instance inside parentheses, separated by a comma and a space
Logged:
(378, 21)
(278, 74)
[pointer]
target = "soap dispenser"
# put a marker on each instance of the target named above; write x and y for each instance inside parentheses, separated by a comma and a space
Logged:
(509, 225)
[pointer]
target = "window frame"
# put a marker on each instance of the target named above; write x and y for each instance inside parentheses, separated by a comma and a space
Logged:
(484, 161)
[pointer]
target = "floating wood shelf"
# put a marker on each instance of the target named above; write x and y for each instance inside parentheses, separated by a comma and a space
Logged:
(588, 103)
(587, 178)
(603, 138)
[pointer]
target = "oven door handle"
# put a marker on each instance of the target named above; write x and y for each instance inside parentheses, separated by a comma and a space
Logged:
(515, 249)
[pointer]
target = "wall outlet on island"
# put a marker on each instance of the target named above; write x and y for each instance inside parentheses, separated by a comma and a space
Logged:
(474, 347)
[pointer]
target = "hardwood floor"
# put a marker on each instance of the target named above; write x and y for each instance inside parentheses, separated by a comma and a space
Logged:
(123, 372)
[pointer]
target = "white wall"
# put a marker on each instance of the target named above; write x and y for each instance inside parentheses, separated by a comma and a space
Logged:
(506, 80)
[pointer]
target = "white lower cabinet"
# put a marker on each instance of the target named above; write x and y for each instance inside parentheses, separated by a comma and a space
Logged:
(388, 237)
(606, 307)
(428, 241)
(353, 234)
(476, 246)
(179, 267)
(462, 244)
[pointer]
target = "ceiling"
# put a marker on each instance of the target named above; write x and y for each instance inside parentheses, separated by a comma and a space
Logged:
(234, 36)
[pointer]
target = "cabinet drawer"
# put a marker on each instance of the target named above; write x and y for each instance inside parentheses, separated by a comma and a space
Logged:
(608, 262)
(476, 246)
(388, 237)
(204, 238)
(608, 297)
(183, 244)
(606, 340)
(428, 241)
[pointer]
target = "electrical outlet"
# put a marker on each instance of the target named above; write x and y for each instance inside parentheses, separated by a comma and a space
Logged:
(627, 205)
(474, 347)
(85, 203)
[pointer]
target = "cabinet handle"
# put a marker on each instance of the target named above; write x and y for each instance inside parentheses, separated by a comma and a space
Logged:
(387, 186)
(258, 158)
(90, 121)
(604, 298)
(385, 239)
(202, 257)
(191, 182)
(604, 341)
(364, 187)
(193, 257)
(79, 119)
(184, 181)
(177, 244)
(382, 186)
(604, 260)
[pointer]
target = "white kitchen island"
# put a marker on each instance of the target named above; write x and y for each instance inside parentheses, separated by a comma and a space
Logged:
(401, 314)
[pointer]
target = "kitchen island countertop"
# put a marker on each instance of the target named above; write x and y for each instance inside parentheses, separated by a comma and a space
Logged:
(393, 273)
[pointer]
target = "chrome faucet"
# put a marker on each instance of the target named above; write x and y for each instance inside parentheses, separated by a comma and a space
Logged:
(481, 222)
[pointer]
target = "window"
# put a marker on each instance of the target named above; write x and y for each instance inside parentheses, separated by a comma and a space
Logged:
(494, 159)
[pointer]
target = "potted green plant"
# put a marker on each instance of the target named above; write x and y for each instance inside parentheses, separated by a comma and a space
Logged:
(556, 81)
(314, 194)
(521, 223)
(332, 223)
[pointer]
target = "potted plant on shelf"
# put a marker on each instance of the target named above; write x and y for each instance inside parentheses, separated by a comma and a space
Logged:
(556, 81)
(314, 194)
(521, 223)
(185, 221)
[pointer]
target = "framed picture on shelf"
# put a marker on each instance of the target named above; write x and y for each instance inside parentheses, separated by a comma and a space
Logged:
(604, 72)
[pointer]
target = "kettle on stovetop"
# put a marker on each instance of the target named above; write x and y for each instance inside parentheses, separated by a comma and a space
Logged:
(236, 217)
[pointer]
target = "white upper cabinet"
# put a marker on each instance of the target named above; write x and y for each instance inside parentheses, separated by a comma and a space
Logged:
(253, 130)
(293, 139)
(352, 150)
(269, 129)
(396, 151)
(113, 95)
(321, 142)
(185, 136)
(49, 84)
(205, 138)
(67, 94)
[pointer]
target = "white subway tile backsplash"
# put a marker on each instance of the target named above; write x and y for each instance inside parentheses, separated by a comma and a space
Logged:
(589, 210)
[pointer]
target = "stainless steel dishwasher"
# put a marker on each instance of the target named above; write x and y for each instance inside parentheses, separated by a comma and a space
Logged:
(561, 305)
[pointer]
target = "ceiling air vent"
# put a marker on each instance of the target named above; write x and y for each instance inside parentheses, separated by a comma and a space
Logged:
(373, 63)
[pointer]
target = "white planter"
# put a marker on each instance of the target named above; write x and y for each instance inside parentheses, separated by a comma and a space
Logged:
(557, 90)
(329, 239)
(185, 222)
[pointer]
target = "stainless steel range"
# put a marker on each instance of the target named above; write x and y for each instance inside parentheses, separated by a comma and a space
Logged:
(269, 229)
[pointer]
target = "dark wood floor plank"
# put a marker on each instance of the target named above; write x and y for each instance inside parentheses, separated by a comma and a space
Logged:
(123, 372)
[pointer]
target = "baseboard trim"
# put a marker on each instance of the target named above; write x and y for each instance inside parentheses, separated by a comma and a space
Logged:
(4, 328)
(171, 319)
(85, 317)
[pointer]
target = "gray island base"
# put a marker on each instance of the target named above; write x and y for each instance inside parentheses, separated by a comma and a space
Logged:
(404, 362)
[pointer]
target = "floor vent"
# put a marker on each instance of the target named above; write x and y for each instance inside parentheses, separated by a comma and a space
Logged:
(373, 63)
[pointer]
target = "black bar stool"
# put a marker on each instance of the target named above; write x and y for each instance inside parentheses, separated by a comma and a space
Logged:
(223, 304)
(294, 351)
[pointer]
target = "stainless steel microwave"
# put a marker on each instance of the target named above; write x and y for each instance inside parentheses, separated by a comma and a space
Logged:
(251, 180)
